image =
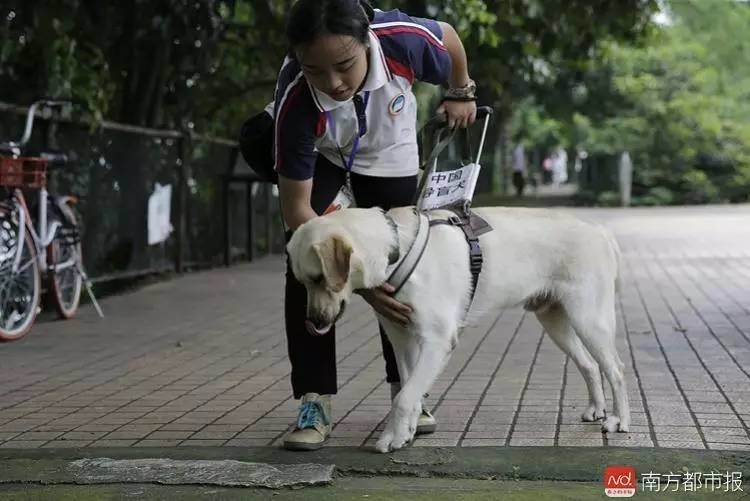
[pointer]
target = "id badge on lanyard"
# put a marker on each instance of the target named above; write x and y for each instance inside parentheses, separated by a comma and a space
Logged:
(345, 197)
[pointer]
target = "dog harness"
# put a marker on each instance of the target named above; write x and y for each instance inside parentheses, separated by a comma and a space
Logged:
(405, 266)
(472, 225)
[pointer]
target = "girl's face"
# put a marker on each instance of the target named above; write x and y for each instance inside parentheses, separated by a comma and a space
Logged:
(334, 64)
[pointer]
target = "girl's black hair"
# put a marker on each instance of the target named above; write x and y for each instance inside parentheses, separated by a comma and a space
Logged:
(309, 19)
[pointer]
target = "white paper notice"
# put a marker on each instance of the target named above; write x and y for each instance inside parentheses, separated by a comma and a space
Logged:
(159, 204)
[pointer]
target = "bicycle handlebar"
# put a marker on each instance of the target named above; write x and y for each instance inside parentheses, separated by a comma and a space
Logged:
(47, 105)
(32, 113)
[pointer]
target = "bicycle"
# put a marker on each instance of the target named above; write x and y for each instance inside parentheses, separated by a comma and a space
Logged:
(29, 254)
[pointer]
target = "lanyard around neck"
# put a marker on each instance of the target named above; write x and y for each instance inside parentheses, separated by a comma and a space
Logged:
(361, 129)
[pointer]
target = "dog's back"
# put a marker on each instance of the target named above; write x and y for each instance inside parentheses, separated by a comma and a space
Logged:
(533, 254)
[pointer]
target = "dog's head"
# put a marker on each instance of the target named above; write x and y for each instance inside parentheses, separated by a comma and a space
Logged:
(321, 259)
(335, 254)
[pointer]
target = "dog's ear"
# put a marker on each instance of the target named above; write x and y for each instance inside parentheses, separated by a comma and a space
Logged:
(335, 255)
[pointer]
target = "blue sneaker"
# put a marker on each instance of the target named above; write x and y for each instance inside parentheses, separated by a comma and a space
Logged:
(313, 424)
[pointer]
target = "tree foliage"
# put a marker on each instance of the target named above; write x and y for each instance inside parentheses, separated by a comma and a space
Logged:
(209, 62)
(681, 105)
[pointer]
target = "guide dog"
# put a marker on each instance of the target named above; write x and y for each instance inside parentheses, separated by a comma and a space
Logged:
(561, 268)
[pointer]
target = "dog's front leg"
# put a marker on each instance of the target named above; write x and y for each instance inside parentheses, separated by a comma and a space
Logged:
(402, 422)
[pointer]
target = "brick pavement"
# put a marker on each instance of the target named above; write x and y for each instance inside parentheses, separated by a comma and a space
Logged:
(201, 359)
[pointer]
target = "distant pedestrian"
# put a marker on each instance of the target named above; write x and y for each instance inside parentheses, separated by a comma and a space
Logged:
(559, 166)
(519, 169)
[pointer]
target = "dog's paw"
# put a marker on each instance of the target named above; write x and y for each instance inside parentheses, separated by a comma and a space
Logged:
(392, 440)
(400, 429)
(383, 444)
(593, 413)
(611, 424)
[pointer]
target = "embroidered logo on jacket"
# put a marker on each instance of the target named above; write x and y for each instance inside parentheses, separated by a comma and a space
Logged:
(397, 105)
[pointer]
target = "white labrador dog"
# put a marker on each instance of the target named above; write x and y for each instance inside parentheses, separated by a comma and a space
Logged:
(563, 269)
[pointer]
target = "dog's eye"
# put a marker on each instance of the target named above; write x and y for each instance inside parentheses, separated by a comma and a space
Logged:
(318, 279)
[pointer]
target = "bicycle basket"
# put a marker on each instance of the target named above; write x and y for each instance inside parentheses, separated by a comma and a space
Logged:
(23, 172)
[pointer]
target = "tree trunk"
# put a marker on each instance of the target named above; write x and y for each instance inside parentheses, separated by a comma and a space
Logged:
(502, 154)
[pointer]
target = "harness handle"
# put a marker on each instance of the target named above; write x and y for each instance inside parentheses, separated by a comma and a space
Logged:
(437, 126)
(442, 136)
(439, 121)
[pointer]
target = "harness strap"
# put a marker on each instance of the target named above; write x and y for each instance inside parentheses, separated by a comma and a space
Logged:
(472, 238)
(406, 266)
(472, 226)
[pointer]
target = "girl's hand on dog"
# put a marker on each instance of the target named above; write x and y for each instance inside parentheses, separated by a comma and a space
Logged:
(382, 301)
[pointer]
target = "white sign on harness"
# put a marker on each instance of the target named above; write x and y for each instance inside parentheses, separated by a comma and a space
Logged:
(446, 188)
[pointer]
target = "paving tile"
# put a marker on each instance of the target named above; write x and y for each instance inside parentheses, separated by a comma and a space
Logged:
(487, 434)
(22, 444)
(157, 443)
(580, 442)
(248, 442)
(38, 435)
(66, 444)
(681, 444)
(83, 435)
(169, 435)
(534, 434)
(202, 443)
(181, 427)
(729, 447)
(729, 439)
(532, 441)
(483, 442)
(435, 442)
(126, 434)
(629, 440)
(217, 435)
(571, 435)
(666, 437)
(180, 388)
(113, 443)
(345, 442)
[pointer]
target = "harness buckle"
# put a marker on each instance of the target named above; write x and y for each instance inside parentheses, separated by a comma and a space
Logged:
(455, 220)
(475, 256)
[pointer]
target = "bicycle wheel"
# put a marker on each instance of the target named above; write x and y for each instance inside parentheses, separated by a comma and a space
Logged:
(19, 290)
(65, 280)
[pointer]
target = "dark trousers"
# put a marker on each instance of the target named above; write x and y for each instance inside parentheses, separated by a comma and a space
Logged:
(314, 357)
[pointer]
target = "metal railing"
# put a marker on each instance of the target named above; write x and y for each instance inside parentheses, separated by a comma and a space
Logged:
(215, 206)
